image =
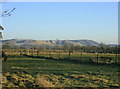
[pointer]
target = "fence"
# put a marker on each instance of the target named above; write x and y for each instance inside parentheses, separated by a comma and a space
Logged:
(69, 55)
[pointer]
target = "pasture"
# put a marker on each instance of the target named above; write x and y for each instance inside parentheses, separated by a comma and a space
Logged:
(57, 70)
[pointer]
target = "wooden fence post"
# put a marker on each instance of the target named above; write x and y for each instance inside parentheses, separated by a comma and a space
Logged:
(37, 52)
(82, 56)
(32, 52)
(69, 54)
(43, 53)
(116, 58)
(28, 52)
(97, 57)
(50, 54)
(59, 55)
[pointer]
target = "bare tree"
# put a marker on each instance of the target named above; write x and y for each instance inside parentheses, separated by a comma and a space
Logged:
(4, 14)
(1, 28)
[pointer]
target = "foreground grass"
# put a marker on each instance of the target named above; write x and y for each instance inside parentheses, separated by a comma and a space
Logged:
(25, 71)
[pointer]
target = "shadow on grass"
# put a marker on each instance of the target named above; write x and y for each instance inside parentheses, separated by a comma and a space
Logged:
(15, 56)
(76, 61)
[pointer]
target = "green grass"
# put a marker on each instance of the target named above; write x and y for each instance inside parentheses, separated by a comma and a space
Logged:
(78, 56)
(62, 73)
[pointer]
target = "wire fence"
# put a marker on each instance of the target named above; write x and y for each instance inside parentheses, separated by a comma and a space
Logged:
(67, 55)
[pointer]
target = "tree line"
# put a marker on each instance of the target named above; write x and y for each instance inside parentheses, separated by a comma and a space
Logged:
(102, 48)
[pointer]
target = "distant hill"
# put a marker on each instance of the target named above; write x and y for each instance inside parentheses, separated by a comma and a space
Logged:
(31, 43)
(113, 45)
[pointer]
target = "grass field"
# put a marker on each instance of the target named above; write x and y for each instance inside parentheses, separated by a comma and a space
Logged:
(32, 71)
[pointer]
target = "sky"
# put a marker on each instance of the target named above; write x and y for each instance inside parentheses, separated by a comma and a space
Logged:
(96, 21)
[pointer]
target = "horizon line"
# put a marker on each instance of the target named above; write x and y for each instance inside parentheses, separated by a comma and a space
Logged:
(56, 39)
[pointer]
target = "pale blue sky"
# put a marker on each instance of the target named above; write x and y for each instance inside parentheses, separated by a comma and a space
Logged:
(96, 21)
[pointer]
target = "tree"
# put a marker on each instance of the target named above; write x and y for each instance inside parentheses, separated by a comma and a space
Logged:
(4, 14)
(1, 28)
(6, 45)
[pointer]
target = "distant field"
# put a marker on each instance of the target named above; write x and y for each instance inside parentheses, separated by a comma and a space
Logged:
(23, 71)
